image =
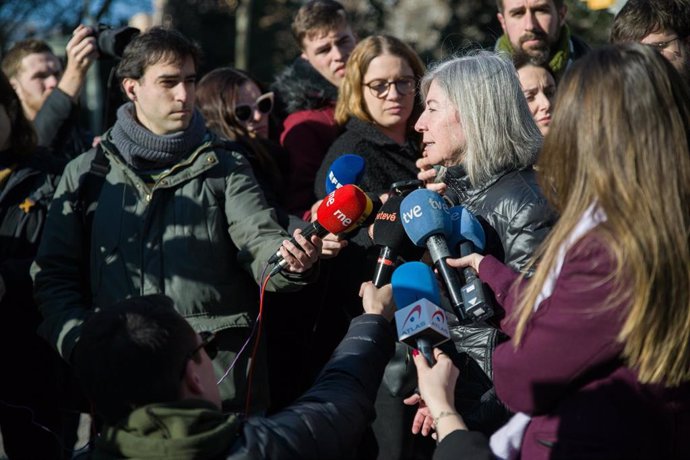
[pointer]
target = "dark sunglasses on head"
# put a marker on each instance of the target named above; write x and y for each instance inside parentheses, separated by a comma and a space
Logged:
(263, 104)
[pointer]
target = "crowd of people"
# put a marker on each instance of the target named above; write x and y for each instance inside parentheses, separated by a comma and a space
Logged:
(137, 274)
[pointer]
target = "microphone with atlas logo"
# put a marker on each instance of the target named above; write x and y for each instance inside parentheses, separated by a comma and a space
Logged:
(420, 322)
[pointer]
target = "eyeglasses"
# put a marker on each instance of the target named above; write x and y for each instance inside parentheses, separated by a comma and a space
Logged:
(663, 47)
(380, 88)
(263, 104)
(208, 343)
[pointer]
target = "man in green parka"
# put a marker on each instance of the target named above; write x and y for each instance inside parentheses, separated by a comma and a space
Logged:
(177, 212)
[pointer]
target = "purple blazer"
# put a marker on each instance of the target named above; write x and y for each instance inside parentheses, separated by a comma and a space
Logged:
(568, 373)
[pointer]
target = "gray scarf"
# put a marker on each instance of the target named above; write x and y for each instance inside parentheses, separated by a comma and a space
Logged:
(144, 150)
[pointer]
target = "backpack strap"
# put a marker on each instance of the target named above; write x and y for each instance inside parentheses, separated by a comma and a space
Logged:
(89, 190)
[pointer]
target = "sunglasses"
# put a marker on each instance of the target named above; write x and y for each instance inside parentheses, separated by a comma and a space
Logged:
(263, 103)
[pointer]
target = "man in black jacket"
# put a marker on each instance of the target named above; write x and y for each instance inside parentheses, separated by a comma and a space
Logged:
(49, 95)
(149, 376)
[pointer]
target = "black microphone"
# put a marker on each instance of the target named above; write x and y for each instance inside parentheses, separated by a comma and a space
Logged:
(390, 235)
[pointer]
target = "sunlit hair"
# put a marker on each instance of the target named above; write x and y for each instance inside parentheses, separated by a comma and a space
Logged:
(351, 101)
(317, 17)
(639, 18)
(620, 139)
(157, 44)
(12, 62)
(216, 97)
(22, 136)
(484, 89)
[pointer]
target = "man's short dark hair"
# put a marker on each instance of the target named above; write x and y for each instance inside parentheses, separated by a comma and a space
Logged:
(317, 16)
(499, 5)
(156, 45)
(639, 18)
(132, 354)
(12, 62)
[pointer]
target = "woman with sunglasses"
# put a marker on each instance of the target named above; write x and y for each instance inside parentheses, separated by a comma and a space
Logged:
(236, 108)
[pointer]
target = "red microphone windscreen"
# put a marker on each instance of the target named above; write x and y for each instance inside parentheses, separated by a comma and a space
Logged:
(342, 208)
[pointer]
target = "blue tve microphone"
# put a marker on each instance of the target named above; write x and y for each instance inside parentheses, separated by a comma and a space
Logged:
(346, 169)
(468, 237)
(426, 220)
(420, 322)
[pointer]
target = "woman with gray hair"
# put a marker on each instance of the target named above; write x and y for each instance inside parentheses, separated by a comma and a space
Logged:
(478, 129)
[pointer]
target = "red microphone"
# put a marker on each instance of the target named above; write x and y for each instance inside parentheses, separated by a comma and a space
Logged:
(343, 210)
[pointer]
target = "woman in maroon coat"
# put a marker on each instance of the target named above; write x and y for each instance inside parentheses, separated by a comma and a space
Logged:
(599, 361)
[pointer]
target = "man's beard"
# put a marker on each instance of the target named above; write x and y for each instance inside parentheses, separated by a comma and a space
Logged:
(536, 56)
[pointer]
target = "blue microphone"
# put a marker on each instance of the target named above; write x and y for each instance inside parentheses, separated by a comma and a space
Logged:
(427, 222)
(418, 319)
(346, 169)
(469, 237)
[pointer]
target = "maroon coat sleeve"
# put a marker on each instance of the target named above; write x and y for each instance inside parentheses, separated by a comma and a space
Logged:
(306, 137)
(571, 335)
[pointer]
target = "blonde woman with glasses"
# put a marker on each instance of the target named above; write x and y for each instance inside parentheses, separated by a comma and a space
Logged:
(377, 106)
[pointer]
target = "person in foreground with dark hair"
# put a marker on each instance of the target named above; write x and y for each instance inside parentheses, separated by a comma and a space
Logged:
(150, 377)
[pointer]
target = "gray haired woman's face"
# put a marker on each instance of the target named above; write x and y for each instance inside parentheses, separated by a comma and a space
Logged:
(442, 133)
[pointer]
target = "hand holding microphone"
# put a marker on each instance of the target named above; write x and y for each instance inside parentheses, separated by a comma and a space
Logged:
(342, 210)
(426, 221)
(468, 237)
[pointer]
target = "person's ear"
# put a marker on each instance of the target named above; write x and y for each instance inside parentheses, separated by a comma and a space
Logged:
(192, 385)
(130, 87)
(562, 13)
(502, 21)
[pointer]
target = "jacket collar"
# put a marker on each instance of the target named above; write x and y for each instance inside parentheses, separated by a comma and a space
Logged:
(199, 161)
(179, 430)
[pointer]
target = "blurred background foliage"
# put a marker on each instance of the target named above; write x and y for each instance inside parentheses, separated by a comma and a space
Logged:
(255, 34)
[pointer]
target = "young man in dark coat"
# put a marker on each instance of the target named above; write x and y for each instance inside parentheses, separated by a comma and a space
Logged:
(309, 89)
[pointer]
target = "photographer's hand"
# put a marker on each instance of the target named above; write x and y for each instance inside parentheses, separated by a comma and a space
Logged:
(81, 52)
